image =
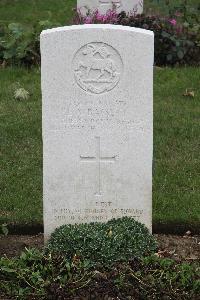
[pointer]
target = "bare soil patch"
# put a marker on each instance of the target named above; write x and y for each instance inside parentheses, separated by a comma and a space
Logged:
(13, 245)
(178, 247)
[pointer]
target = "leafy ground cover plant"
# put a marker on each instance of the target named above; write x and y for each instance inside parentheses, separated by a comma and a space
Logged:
(35, 275)
(20, 44)
(103, 243)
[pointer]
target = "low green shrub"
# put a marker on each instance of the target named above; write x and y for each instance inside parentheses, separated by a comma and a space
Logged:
(104, 243)
(177, 35)
(35, 275)
(174, 43)
(20, 44)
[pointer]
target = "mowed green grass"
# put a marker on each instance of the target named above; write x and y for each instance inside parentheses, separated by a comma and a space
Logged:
(20, 148)
(31, 11)
(176, 195)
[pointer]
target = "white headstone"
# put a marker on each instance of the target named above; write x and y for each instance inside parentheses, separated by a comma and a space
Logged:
(104, 5)
(97, 88)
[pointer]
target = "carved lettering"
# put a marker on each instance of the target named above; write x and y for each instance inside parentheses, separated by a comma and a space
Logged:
(100, 214)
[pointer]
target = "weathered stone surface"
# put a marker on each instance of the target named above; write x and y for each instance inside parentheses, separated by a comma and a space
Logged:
(104, 5)
(97, 88)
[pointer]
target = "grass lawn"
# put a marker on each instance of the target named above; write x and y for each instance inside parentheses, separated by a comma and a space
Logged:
(21, 148)
(176, 196)
(31, 11)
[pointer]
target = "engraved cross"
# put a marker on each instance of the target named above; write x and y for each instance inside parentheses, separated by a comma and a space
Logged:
(98, 159)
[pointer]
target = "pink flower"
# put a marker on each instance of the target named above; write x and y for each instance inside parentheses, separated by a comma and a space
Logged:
(173, 22)
(97, 15)
(178, 14)
(88, 20)
(179, 29)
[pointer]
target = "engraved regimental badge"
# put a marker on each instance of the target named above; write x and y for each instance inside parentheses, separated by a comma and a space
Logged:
(97, 67)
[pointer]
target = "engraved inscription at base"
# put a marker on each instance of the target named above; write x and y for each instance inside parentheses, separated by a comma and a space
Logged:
(98, 214)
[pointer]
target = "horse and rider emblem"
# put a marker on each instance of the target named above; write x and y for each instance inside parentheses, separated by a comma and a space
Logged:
(97, 67)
